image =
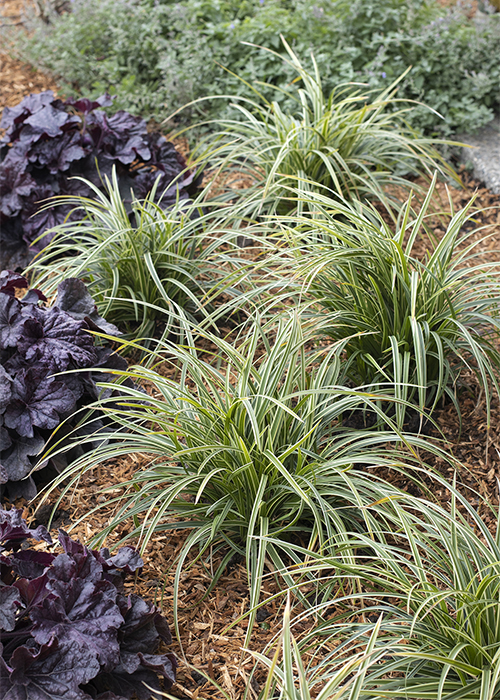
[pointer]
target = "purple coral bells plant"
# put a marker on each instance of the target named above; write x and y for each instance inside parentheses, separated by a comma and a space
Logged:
(68, 631)
(47, 142)
(39, 345)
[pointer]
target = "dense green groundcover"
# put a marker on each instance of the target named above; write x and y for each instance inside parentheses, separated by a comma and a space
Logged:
(156, 55)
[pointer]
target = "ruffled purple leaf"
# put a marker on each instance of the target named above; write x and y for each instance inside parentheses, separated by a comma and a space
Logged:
(38, 400)
(78, 564)
(6, 382)
(50, 122)
(16, 462)
(10, 281)
(161, 664)
(72, 547)
(51, 672)
(82, 610)
(5, 440)
(5, 684)
(146, 667)
(121, 137)
(58, 154)
(14, 529)
(9, 604)
(133, 148)
(24, 488)
(11, 321)
(78, 645)
(30, 563)
(33, 591)
(55, 340)
(165, 156)
(15, 184)
(13, 255)
(85, 105)
(47, 142)
(13, 117)
(144, 625)
(74, 298)
(127, 559)
(37, 218)
(33, 296)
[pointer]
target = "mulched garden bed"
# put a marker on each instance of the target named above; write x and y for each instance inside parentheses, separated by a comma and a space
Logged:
(205, 642)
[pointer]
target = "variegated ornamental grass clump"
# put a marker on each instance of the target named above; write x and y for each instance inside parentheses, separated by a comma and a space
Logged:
(430, 601)
(353, 142)
(416, 324)
(150, 267)
(254, 450)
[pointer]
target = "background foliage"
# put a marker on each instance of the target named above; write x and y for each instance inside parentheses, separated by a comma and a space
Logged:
(158, 55)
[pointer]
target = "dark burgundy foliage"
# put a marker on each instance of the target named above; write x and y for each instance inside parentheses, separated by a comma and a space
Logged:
(48, 141)
(37, 343)
(68, 632)
(14, 530)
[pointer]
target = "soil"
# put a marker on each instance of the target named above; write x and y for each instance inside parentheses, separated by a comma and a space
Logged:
(204, 641)
(18, 79)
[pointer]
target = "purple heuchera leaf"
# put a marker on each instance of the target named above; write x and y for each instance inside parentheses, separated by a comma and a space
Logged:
(5, 671)
(13, 117)
(46, 143)
(38, 400)
(77, 561)
(11, 321)
(5, 393)
(86, 640)
(51, 122)
(9, 603)
(33, 296)
(148, 667)
(30, 563)
(33, 591)
(15, 184)
(127, 559)
(82, 609)
(73, 297)
(122, 136)
(85, 105)
(144, 625)
(51, 672)
(16, 461)
(37, 218)
(72, 547)
(54, 339)
(14, 529)
(58, 156)
(5, 443)
(10, 281)
(165, 155)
